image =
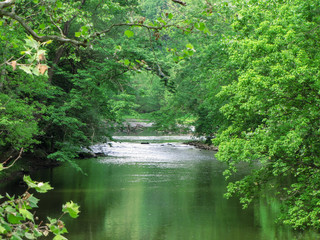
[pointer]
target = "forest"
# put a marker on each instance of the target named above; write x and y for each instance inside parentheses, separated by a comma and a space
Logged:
(245, 73)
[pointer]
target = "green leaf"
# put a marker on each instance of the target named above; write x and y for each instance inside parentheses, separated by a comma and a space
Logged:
(84, 29)
(1, 167)
(59, 4)
(175, 58)
(200, 26)
(30, 42)
(10, 209)
(33, 202)
(15, 236)
(26, 214)
(29, 235)
(58, 229)
(71, 208)
(190, 53)
(35, 71)
(59, 237)
(206, 30)
(190, 46)
(52, 220)
(77, 34)
(40, 187)
(29, 181)
(2, 230)
(6, 226)
(161, 20)
(27, 69)
(170, 15)
(47, 42)
(126, 62)
(14, 219)
(43, 187)
(42, 26)
(129, 33)
(40, 53)
(9, 197)
(37, 233)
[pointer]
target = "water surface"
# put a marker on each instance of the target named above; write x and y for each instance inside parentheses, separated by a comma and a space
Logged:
(159, 191)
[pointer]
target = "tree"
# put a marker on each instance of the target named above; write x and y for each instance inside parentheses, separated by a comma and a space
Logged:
(200, 68)
(85, 70)
(273, 107)
(63, 112)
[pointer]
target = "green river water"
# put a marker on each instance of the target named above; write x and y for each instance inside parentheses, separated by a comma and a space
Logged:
(156, 191)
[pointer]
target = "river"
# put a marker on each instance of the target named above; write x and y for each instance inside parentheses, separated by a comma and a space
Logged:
(163, 190)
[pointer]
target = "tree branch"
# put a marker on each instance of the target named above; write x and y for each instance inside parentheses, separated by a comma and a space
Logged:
(62, 38)
(41, 38)
(97, 34)
(14, 161)
(60, 30)
(6, 3)
(180, 2)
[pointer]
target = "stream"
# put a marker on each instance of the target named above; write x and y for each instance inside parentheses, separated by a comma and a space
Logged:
(160, 190)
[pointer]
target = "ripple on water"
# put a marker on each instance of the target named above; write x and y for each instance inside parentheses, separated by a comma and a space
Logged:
(161, 155)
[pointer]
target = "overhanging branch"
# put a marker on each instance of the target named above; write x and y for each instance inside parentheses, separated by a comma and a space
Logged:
(62, 38)
(6, 3)
(36, 36)
(130, 25)
(180, 2)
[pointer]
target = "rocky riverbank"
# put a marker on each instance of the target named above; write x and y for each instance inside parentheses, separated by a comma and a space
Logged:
(202, 145)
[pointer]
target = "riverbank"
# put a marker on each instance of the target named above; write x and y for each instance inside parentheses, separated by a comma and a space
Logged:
(138, 126)
(202, 145)
(147, 126)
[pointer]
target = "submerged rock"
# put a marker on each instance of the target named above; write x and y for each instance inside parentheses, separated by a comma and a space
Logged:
(94, 151)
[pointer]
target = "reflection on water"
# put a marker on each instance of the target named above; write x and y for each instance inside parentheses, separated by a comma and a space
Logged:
(156, 191)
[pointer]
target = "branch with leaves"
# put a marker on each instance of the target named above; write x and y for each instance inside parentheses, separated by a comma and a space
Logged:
(4, 11)
(180, 2)
(18, 222)
(13, 162)
(36, 58)
(157, 28)
(7, 3)
(11, 14)
(58, 38)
